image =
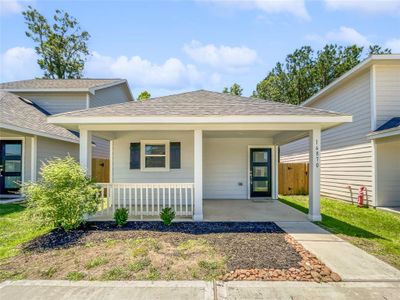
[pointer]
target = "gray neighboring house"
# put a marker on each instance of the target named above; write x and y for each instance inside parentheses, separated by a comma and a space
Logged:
(26, 139)
(365, 152)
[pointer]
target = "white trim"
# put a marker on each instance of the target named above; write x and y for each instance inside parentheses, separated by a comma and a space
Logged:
(111, 161)
(198, 174)
(87, 101)
(361, 66)
(64, 119)
(143, 144)
(373, 96)
(384, 133)
(314, 212)
(374, 182)
(85, 150)
(33, 158)
(22, 139)
(273, 167)
(275, 181)
(34, 132)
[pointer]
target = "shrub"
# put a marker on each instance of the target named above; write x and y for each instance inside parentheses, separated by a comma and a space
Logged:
(63, 196)
(121, 216)
(167, 215)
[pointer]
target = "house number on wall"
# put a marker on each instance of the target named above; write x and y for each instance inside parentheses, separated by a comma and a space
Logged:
(317, 153)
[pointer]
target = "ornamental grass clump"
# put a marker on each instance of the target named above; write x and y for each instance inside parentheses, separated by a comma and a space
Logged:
(63, 196)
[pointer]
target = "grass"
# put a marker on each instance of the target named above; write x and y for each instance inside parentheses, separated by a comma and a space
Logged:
(75, 276)
(375, 231)
(95, 262)
(16, 229)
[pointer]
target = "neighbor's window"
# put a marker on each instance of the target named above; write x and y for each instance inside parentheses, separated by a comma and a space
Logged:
(155, 155)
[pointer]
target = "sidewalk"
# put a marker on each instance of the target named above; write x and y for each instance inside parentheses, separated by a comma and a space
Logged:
(350, 262)
(196, 290)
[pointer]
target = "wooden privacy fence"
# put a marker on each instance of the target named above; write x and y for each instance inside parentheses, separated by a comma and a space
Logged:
(293, 178)
(101, 169)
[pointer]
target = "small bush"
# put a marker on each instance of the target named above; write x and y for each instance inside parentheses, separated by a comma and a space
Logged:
(121, 216)
(63, 196)
(167, 215)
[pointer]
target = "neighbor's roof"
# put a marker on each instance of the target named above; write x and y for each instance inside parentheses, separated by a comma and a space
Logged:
(390, 128)
(20, 114)
(79, 85)
(199, 103)
(364, 65)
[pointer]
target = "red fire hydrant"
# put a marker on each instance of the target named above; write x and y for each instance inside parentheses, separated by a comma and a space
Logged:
(360, 199)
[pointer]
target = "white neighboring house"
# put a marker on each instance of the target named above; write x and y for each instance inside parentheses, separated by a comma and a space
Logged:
(365, 152)
(178, 150)
(26, 139)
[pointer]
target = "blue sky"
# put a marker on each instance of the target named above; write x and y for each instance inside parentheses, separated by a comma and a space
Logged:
(172, 46)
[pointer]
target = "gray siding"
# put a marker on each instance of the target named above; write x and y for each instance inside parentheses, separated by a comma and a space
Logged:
(111, 95)
(346, 157)
(387, 93)
(48, 149)
(101, 149)
(56, 103)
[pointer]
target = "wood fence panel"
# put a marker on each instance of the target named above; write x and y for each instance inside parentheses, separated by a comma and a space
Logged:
(101, 170)
(293, 178)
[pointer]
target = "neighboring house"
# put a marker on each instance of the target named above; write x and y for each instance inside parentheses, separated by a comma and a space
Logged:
(23, 125)
(365, 152)
(178, 150)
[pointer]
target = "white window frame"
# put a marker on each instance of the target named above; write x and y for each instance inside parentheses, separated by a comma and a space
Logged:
(143, 155)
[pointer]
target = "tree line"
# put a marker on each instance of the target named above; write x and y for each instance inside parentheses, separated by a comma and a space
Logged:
(62, 48)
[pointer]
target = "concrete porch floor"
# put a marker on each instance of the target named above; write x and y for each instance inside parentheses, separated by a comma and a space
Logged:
(249, 210)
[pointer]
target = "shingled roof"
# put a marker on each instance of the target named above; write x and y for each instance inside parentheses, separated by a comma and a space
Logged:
(200, 103)
(51, 84)
(23, 115)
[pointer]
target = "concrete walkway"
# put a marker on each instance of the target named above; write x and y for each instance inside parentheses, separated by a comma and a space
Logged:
(196, 290)
(350, 262)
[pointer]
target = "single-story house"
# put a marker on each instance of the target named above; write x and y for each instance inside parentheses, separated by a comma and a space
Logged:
(26, 139)
(178, 150)
(364, 153)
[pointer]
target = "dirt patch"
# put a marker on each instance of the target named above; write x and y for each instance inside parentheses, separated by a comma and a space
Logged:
(151, 251)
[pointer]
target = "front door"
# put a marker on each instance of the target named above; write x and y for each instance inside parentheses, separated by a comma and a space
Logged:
(10, 166)
(260, 172)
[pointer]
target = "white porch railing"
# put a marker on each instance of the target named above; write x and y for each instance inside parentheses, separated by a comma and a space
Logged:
(146, 199)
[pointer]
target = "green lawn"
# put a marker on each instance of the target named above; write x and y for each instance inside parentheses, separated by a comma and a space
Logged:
(375, 231)
(15, 229)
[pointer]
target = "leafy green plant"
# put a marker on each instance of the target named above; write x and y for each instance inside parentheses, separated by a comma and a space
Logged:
(167, 215)
(121, 216)
(64, 195)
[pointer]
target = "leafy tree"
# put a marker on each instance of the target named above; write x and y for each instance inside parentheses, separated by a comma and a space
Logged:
(61, 46)
(144, 96)
(235, 89)
(305, 71)
(376, 49)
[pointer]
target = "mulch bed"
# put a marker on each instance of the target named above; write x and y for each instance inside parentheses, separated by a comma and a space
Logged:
(254, 250)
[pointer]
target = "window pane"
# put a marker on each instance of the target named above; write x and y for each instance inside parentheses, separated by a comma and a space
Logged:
(260, 171)
(260, 156)
(12, 166)
(155, 149)
(155, 162)
(260, 186)
(13, 149)
(11, 182)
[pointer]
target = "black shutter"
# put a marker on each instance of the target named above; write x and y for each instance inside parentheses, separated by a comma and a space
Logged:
(175, 155)
(135, 156)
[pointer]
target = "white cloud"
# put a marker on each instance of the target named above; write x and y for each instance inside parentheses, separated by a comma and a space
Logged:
(368, 6)
(18, 63)
(171, 74)
(394, 45)
(293, 7)
(8, 7)
(222, 57)
(345, 34)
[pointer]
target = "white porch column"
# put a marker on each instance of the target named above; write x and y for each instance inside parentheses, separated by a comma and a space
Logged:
(275, 176)
(198, 175)
(33, 158)
(85, 150)
(314, 213)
